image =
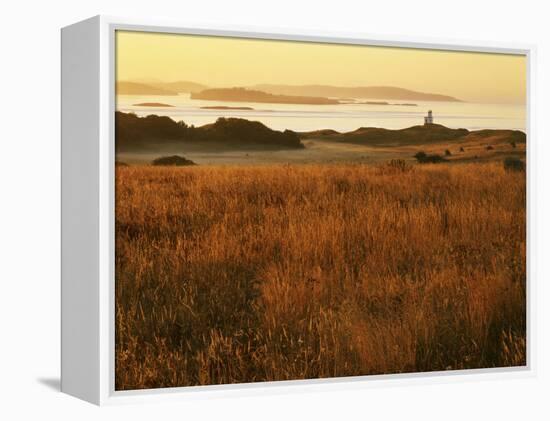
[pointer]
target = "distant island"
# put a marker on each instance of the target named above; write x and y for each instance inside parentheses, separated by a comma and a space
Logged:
(224, 107)
(152, 104)
(135, 133)
(249, 95)
(374, 92)
(326, 92)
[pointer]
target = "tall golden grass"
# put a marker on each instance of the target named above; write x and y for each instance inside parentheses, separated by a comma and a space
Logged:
(244, 274)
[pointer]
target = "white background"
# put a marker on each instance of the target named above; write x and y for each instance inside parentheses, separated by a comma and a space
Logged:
(30, 222)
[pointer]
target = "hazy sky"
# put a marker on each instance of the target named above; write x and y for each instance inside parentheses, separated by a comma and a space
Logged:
(228, 62)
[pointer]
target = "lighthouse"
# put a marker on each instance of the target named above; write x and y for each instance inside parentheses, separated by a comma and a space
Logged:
(429, 119)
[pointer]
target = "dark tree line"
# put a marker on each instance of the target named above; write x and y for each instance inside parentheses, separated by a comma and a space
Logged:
(133, 132)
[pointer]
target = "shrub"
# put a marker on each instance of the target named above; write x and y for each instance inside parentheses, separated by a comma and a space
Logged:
(461, 149)
(174, 160)
(420, 156)
(489, 148)
(447, 152)
(424, 158)
(434, 158)
(514, 164)
(513, 144)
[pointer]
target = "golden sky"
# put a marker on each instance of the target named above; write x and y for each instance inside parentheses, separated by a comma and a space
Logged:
(228, 62)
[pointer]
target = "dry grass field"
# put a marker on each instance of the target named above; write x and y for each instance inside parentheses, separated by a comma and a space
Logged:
(244, 274)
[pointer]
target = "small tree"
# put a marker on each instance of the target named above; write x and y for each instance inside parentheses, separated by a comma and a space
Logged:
(424, 158)
(420, 156)
(447, 152)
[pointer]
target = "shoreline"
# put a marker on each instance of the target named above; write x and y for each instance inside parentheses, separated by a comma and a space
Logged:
(272, 114)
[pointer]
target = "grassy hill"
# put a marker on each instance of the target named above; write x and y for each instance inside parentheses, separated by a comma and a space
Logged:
(135, 133)
(416, 135)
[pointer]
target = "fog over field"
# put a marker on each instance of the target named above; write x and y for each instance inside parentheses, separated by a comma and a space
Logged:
(315, 151)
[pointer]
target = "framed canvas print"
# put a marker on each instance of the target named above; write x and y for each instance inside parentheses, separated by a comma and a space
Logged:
(243, 209)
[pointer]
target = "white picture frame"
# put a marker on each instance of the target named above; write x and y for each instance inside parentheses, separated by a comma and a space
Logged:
(88, 160)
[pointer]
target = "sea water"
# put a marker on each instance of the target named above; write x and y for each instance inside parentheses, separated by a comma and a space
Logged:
(340, 117)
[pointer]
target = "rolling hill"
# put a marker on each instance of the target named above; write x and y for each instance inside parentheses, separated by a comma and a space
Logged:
(135, 133)
(415, 135)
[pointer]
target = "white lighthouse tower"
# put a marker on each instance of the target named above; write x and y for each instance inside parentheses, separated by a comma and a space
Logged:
(429, 119)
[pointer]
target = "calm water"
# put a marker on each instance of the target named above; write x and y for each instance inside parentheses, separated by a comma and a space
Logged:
(342, 117)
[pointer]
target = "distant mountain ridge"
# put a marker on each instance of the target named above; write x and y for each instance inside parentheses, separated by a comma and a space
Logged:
(182, 86)
(375, 92)
(135, 88)
(126, 87)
